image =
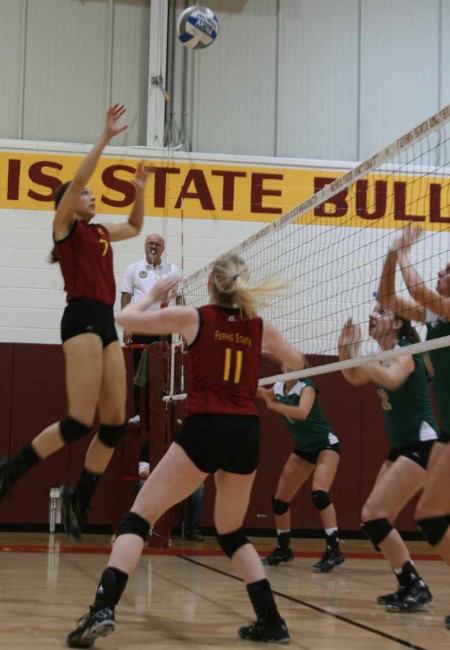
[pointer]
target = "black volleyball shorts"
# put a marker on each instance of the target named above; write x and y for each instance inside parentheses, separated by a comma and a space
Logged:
(216, 441)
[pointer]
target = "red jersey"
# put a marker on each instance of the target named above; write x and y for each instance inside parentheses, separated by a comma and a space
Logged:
(223, 363)
(86, 261)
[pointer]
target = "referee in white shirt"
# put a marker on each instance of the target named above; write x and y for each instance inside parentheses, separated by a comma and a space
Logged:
(138, 280)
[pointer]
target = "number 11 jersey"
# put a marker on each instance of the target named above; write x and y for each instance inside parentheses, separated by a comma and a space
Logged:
(223, 363)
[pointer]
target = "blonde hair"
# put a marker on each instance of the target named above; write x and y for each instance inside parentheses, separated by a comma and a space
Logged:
(231, 286)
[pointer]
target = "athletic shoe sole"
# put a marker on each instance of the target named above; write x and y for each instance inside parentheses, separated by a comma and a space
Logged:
(394, 608)
(88, 639)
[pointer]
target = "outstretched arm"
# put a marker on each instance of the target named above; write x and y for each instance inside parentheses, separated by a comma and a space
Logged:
(275, 343)
(137, 318)
(438, 304)
(386, 294)
(411, 309)
(63, 219)
(349, 344)
(132, 227)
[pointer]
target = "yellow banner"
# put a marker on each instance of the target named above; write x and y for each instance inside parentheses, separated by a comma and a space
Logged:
(229, 192)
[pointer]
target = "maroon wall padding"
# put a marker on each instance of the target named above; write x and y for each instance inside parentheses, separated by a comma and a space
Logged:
(160, 419)
(6, 391)
(32, 396)
(38, 400)
(164, 420)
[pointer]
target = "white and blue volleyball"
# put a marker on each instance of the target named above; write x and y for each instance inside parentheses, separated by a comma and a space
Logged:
(197, 27)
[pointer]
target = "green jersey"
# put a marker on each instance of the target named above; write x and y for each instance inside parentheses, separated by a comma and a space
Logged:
(436, 327)
(313, 433)
(408, 412)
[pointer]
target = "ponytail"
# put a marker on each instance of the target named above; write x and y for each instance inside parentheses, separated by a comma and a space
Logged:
(231, 286)
(409, 332)
(52, 257)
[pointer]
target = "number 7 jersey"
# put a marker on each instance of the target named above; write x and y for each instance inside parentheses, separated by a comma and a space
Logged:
(86, 261)
(223, 363)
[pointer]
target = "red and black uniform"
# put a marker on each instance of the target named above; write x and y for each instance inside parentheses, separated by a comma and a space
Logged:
(221, 426)
(86, 261)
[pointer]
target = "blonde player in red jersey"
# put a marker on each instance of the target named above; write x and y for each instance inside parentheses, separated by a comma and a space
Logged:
(95, 370)
(220, 435)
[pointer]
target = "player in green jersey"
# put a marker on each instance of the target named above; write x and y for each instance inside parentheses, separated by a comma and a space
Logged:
(316, 452)
(433, 308)
(402, 385)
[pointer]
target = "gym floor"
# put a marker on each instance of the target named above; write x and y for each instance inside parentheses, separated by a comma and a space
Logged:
(188, 596)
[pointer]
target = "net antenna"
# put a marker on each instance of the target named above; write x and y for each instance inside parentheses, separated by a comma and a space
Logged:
(331, 247)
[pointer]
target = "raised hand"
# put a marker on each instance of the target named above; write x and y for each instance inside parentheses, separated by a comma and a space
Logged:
(113, 115)
(162, 290)
(142, 171)
(349, 341)
(410, 235)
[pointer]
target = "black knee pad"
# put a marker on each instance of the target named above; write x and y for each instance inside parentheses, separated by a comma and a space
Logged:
(231, 542)
(320, 499)
(279, 507)
(377, 530)
(110, 434)
(72, 430)
(433, 528)
(133, 524)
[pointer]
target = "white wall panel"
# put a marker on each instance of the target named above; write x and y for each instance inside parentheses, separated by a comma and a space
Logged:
(67, 65)
(20, 317)
(129, 66)
(444, 42)
(12, 28)
(233, 82)
(318, 79)
(283, 77)
(17, 258)
(30, 334)
(399, 69)
(321, 79)
(24, 297)
(176, 80)
(67, 60)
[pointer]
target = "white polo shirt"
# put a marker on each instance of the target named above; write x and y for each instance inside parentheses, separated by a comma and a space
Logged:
(140, 277)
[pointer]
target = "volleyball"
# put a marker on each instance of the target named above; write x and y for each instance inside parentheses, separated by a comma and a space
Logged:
(197, 27)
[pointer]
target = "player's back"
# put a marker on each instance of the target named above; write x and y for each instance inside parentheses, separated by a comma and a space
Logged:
(223, 363)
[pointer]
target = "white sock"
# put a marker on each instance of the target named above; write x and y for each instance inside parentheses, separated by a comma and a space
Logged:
(330, 531)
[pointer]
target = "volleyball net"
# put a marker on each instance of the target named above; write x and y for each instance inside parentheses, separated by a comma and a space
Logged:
(330, 249)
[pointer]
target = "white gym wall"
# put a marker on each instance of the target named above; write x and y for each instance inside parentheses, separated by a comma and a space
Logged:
(325, 80)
